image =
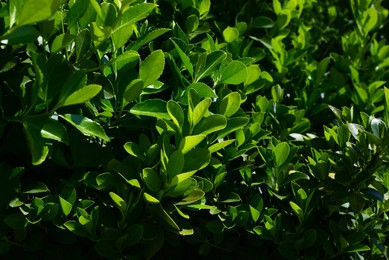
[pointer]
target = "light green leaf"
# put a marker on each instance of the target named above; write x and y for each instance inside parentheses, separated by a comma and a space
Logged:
(119, 202)
(122, 35)
(210, 124)
(370, 19)
(152, 179)
(234, 73)
(151, 107)
(133, 90)
(253, 74)
(148, 38)
(150, 199)
(220, 145)
(211, 63)
(86, 126)
(230, 34)
(135, 13)
(199, 111)
(189, 142)
(184, 58)
(202, 89)
(152, 67)
(233, 124)
(176, 113)
(61, 41)
(297, 210)
(230, 104)
(65, 206)
(54, 130)
(82, 95)
(36, 10)
(99, 33)
(281, 153)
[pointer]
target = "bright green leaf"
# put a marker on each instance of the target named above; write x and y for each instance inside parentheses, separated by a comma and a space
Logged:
(119, 202)
(234, 73)
(152, 67)
(36, 10)
(230, 34)
(133, 90)
(189, 142)
(86, 126)
(82, 95)
(230, 104)
(151, 107)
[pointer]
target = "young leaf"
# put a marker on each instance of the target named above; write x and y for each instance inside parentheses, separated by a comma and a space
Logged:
(230, 104)
(185, 59)
(148, 38)
(65, 205)
(86, 126)
(199, 111)
(196, 159)
(119, 202)
(230, 34)
(218, 146)
(134, 14)
(152, 67)
(150, 199)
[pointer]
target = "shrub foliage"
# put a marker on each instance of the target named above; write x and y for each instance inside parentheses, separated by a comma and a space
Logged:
(251, 128)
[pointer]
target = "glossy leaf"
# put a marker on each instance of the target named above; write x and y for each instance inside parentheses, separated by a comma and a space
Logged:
(151, 107)
(281, 153)
(230, 104)
(86, 126)
(82, 95)
(133, 90)
(152, 67)
(189, 142)
(33, 11)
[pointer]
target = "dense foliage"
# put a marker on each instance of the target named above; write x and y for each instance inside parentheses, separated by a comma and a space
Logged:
(249, 128)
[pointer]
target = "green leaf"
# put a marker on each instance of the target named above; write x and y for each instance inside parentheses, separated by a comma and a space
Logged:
(175, 164)
(76, 12)
(193, 197)
(135, 13)
(119, 202)
(133, 90)
(189, 142)
(176, 113)
(212, 62)
(82, 95)
(253, 74)
(181, 185)
(263, 22)
(202, 89)
(220, 145)
(191, 23)
(234, 73)
(61, 41)
(281, 153)
(86, 126)
(152, 67)
(36, 143)
(233, 124)
(184, 58)
(65, 206)
(151, 107)
(36, 187)
(99, 33)
(150, 199)
(230, 104)
(82, 42)
(196, 159)
(16, 221)
(230, 34)
(22, 35)
(199, 111)
(148, 38)
(36, 10)
(297, 210)
(210, 124)
(370, 19)
(152, 179)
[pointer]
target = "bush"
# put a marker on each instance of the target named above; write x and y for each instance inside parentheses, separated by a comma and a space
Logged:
(139, 129)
